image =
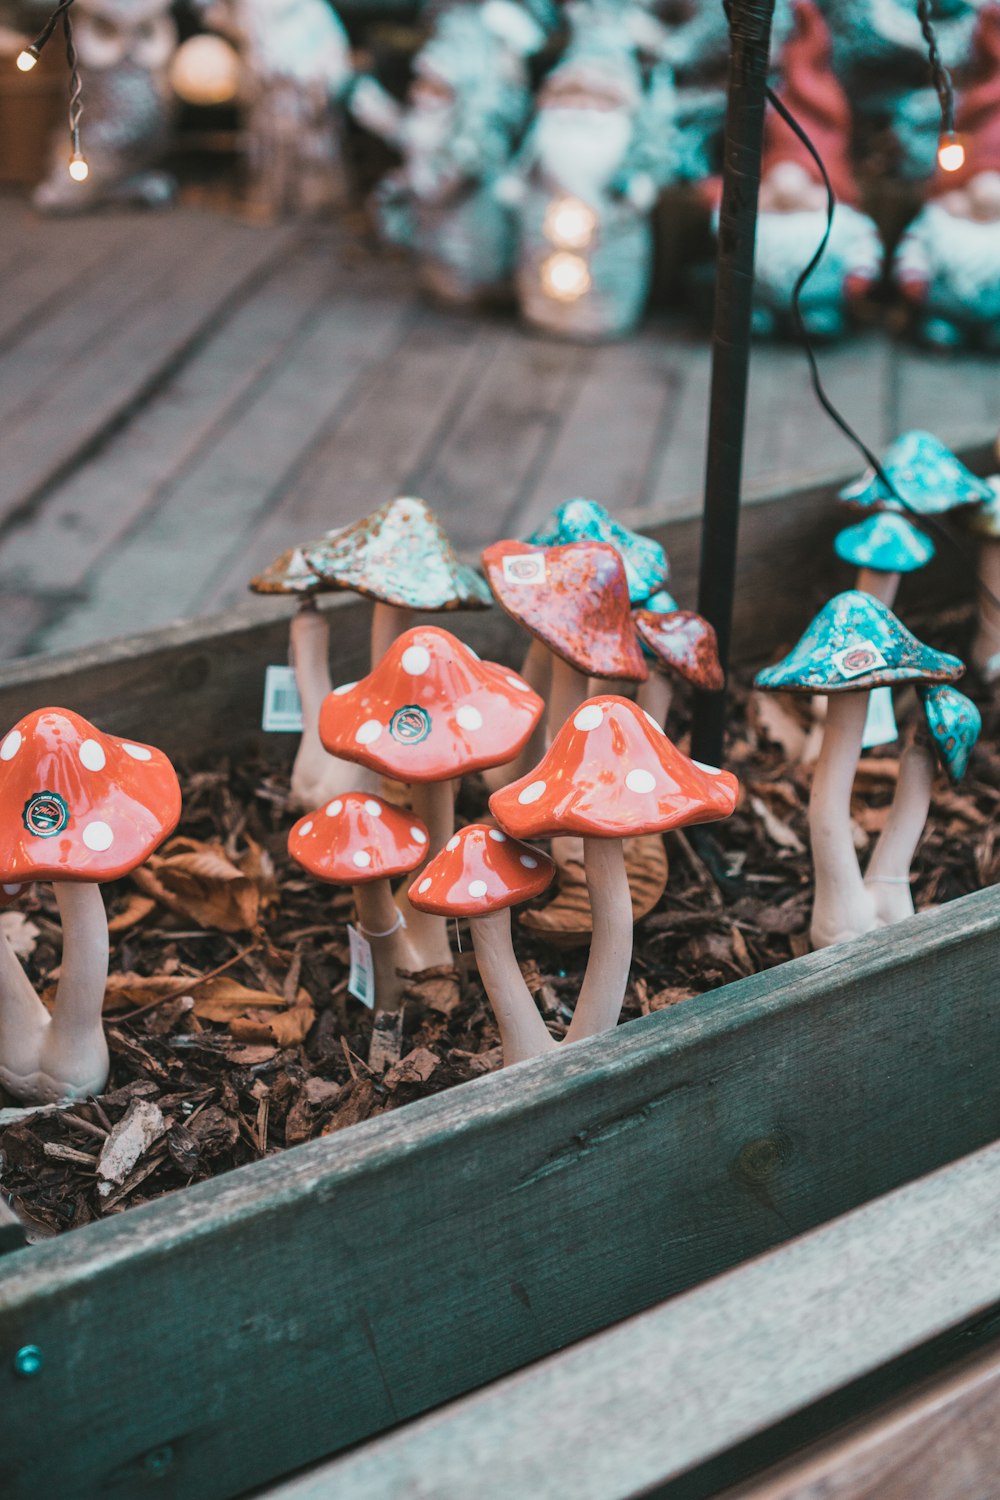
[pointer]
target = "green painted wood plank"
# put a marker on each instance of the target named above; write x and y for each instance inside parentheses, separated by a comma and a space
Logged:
(655, 1404)
(309, 1301)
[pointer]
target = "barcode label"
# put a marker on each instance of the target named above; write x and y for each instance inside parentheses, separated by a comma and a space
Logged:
(361, 980)
(282, 709)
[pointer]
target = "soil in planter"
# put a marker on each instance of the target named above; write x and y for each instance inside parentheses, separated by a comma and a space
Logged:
(231, 1031)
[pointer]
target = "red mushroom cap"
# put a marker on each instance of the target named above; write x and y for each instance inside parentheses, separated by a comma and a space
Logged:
(430, 711)
(79, 804)
(357, 838)
(611, 772)
(685, 643)
(575, 599)
(478, 871)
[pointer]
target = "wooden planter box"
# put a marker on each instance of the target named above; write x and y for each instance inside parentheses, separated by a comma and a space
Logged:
(227, 1334)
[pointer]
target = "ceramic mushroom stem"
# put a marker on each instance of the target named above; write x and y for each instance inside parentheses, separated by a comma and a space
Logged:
(73, 1060)
(380, 925)
(601, 995)
(536, 670)
(388, 624)
(883, 586)
(842, 907)
(523, 1033)
(569, 690)
(986, 646)
(655, 696)
(887, 877)
(434, 804)
(315, 774)
(23, 1023)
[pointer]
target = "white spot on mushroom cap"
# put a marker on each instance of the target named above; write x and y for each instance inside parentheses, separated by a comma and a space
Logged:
(517, 682)
(369, 732)
(334, 807)
(497, 836)
(373, 808)
(345, 687)
(528, 862)
(469, 717)
(415, 660)
(137, 752)
(418, 835)
(477, 888)
(12, 890)
(362, 859)
(453, 843)
(92, 757)
(424, 885)
(709, 770)
(11, 745)
(98, 836)
(306, 829)
(640, 781)
(589, 717)
(531, 792)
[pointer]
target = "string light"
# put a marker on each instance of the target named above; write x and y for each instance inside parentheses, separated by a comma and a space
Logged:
(569, 223)
(27, 59)
(951, 154)
(565, 277)
(29, 56)
(78, 168)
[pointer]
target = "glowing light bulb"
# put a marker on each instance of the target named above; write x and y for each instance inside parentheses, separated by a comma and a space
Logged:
(565, 277)
(78, 169)
(569, 223)
(951, 154)
(26, 60)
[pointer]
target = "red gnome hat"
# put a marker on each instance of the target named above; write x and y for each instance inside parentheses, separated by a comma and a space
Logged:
(977, 118)
(817, 101)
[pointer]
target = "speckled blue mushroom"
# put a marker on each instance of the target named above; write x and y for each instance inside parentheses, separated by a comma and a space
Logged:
(948, 733)
(882, 547)
(854, 644)
(646, 565)
(985, 523)
(926, 476)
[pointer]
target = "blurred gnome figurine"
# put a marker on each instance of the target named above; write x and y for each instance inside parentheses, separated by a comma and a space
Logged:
(125, 48)
(948, 261)
(583, 194)
(793, 199)
(296, 65)
(466, 109)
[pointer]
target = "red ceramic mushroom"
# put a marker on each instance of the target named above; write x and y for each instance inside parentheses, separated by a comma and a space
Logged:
(362, 841)
(80, 807)
(480, 874)
(682, 644)
(429, 713)
(611, 773)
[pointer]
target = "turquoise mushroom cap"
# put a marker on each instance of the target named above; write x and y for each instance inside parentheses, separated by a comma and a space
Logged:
(646, 565)
(399, 555)
(856, 643)
(886, 543)
(955, 724)
(925, 474)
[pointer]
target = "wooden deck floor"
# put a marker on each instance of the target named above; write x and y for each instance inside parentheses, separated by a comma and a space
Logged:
(183, 395)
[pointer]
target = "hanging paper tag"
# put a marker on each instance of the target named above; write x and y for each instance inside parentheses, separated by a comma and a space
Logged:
(524, 567)
(361, 980)
(282, 709)
(860, 657)
(880, 723)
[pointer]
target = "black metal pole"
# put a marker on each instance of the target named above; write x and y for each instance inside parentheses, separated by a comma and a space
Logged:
(750, 36)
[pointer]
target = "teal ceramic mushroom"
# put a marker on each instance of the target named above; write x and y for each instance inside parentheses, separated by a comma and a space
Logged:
(646, 565)
(926, 476)
(882, 547)
(853, 645)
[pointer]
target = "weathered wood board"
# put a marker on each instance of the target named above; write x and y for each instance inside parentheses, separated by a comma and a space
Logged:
(234, 1331)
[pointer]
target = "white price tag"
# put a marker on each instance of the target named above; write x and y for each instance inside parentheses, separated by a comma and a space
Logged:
(880, 721)
(859, 657)
(524, 567)
(282, 709)
(361, 980)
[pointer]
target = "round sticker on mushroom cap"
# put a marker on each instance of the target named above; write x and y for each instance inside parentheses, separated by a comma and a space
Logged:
(682, 642)
(582, 612)
(479, 873)
(855, 643)
(78, 804)
(430, 711)
(399, 555)
(579, 520)
(367, 839)
(612, 779)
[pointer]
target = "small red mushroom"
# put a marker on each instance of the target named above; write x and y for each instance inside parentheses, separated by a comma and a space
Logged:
(683, 644)
(362, 841)
(80, 807)
(610, 773)
(480, 874)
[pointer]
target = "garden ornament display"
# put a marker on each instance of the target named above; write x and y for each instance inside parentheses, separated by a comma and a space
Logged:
(609, 774)
(582, 189)
(467, 107)
(480, 874)
(681, 645)
(925, 475)
(854, 644)
(950, 727)
(124, 48)
(80, 808)
(364, 842)
(430, 713)
(883, 547)
(947, 262)
(985, 523)
(793, 199)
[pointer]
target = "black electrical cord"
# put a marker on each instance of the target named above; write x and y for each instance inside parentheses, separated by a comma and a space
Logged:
(939, 73)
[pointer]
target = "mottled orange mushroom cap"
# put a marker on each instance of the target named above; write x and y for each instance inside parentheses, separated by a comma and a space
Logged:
(575, 599)
(611, 772)
(685, 643)
(78, 804)
(480, 870)
(357, 838)
(430, 711)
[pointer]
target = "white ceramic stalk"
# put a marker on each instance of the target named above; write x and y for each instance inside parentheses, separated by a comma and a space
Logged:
(522, 1029)
(569, 689)
(317, 776)
(986, 645)
(602, 993)
(888, 873)
(842, 906)
(379, 922)
(73, 1061)
(536, 670)
(655, 695)
(389, 622)
(884, 586)
(427, 935)
(23, 1024)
